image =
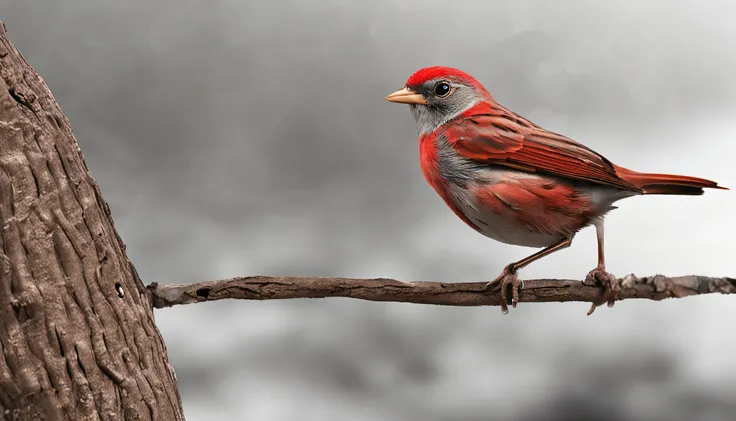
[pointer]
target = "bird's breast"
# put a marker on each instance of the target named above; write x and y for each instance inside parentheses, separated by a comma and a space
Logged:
(429, 161)
(510, 206)
(434, 170)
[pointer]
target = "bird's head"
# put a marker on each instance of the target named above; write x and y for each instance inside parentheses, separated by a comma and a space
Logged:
(438, 94)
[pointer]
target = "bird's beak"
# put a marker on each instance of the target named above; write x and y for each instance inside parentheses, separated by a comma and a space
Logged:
(406, 96)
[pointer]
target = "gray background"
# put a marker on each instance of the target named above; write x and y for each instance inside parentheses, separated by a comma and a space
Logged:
(251, 137)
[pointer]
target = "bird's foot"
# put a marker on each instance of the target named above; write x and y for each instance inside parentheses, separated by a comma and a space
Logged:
(599, 276)
(506, 278)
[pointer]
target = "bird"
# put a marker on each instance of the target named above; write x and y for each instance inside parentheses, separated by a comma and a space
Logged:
(516, 182)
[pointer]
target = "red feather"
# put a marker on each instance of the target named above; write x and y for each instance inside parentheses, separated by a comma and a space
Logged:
(427, 74)
(429, 162)
(540, 205)
(667, 183)
(490, 133)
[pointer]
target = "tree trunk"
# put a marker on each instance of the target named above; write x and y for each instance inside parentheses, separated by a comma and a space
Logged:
(77, 331)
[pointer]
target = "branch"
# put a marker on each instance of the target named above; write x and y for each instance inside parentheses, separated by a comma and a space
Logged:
(655, 287)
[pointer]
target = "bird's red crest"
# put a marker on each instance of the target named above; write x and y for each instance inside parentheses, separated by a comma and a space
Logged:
(426, 74)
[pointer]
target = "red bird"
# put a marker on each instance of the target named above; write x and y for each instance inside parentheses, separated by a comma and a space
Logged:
(514, 181)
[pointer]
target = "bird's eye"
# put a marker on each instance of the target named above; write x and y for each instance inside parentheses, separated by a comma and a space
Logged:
(442, 89)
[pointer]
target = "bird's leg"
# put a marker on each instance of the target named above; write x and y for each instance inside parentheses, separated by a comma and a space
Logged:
(508, 276)
(599, 274)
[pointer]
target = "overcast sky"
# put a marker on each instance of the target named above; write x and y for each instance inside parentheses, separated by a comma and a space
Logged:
(251, 137)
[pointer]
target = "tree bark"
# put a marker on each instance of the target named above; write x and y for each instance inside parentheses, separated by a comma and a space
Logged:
(77, 331)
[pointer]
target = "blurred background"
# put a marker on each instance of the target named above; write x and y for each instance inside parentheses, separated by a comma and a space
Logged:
(251, 137)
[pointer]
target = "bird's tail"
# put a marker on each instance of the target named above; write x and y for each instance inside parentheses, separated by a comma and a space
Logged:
(667, 183)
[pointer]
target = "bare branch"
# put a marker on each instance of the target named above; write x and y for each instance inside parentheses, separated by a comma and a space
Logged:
(655, 287)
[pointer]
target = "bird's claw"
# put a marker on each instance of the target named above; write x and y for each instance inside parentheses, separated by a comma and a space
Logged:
(506, 278)
(599, 276)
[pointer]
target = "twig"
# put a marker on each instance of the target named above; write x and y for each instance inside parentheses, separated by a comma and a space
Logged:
(655, 287)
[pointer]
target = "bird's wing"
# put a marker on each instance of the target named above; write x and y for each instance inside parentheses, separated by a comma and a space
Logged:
(495, 135)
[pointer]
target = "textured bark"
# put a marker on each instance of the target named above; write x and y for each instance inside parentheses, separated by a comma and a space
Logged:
(77, 331)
